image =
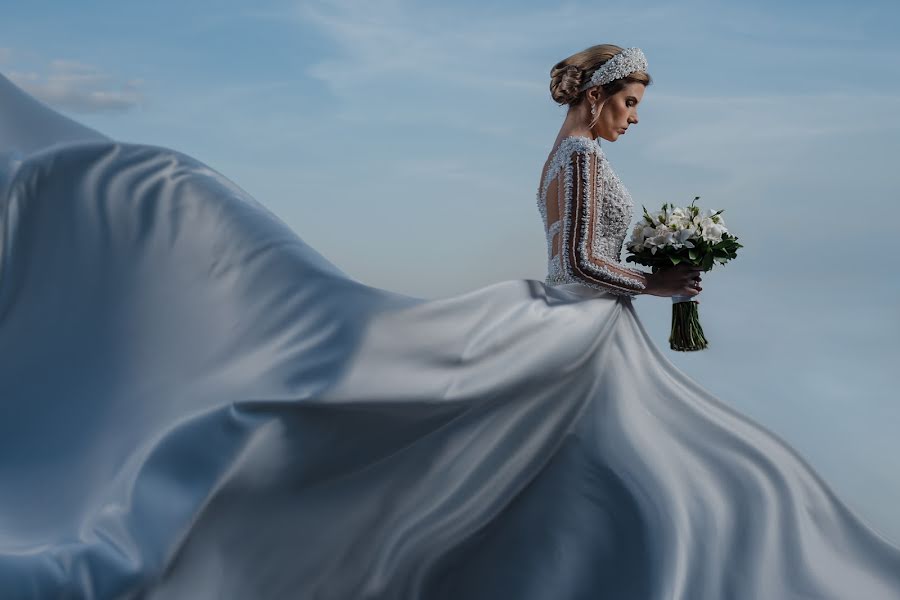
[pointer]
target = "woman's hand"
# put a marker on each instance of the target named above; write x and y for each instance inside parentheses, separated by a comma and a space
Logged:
(680, 280)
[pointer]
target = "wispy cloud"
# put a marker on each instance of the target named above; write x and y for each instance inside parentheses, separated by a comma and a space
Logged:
(709, 131)
(77, 87)
(484, 49)
(492, 48)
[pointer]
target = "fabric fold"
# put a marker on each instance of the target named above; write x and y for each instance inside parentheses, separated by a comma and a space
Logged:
(194, 403)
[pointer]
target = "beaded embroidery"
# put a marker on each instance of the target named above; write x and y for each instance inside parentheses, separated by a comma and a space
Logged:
(621, 65)
(610, 206)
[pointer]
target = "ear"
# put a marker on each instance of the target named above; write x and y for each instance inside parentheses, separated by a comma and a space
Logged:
(595, 95)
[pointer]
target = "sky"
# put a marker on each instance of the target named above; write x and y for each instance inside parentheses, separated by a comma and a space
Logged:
(404, 141)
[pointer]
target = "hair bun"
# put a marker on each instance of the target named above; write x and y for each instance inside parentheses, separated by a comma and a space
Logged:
(564, 82)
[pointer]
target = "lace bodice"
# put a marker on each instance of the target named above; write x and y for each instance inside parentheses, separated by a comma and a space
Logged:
(588, 221)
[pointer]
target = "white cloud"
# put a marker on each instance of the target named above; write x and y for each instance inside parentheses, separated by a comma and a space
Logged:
(488, 48)
(406, 43)
(78, 87)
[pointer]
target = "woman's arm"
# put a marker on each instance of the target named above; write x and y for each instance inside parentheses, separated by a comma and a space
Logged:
(579, 229)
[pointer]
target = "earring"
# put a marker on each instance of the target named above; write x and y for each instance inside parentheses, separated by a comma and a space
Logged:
(593, 109)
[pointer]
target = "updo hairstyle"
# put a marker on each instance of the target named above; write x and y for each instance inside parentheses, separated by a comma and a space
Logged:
(567, 76)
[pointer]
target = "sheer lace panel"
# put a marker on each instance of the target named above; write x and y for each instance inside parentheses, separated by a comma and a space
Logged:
(553, 202)
(586, 212)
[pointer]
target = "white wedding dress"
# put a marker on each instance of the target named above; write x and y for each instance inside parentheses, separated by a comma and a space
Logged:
(196, 404)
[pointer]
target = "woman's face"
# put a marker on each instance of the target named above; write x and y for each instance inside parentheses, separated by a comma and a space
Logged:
(619, 112)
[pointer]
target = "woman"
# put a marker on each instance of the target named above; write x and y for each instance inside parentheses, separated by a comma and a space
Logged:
(603, 86)
(196, 404)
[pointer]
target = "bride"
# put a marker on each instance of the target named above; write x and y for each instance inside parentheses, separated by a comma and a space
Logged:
(197, 404)
(580, 194)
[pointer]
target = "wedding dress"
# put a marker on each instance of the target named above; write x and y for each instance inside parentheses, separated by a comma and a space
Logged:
(196, 404)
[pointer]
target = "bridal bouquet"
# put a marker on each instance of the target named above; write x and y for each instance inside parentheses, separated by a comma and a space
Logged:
(677, 235)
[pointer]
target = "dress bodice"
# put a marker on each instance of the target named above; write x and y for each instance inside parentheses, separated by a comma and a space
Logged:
(606, 211)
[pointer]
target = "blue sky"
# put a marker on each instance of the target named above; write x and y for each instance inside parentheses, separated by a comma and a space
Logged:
(404, 141)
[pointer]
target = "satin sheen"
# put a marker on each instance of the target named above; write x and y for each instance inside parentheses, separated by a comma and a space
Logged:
(196, 404)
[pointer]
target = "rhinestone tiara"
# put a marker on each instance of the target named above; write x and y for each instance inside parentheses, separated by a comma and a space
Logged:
(629, 60)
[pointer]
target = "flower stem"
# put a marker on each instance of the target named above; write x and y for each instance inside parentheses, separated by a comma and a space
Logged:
(687, 334)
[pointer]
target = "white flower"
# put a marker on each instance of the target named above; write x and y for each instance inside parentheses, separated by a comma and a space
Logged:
(638, 232)
(676, 227)
(682, 238)
(713, 231)
(663, 237)
(685, 223)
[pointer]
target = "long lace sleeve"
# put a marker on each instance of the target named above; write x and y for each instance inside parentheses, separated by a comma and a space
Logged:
(593, 230)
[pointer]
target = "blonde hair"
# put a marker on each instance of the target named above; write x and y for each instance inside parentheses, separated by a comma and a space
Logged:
(567, 76)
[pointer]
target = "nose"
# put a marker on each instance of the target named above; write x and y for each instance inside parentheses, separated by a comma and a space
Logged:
(633, 119)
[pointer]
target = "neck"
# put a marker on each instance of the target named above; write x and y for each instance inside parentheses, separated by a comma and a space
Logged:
(576, 123)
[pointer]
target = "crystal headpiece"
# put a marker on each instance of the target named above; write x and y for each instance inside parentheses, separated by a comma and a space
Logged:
(629, 60)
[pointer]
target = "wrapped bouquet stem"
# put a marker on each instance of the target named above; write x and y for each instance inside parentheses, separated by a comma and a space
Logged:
(686, 334)
(678, 235)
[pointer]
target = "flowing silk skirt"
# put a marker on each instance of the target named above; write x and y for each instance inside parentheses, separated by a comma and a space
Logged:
(196, 404)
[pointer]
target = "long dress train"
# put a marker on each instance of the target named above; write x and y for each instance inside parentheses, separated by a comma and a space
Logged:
(196, 404)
